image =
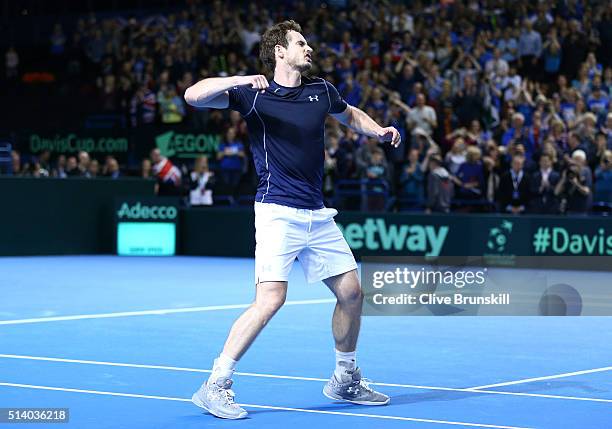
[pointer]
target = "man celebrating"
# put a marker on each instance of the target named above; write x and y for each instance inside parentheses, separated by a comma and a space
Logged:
(286, 119)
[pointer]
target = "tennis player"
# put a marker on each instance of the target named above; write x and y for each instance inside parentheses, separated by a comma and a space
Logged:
(286, 122)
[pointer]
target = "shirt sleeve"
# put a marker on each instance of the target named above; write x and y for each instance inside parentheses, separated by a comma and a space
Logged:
(336, 102)
(241, 99)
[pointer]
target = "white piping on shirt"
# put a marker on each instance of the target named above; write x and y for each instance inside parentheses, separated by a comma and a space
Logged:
(328, 97)
(253, 106)
(265, 151)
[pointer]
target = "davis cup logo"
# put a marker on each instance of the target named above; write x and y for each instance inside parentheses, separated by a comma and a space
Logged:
(498, 236)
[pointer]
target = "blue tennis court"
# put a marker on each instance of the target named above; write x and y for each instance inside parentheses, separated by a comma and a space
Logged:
(124, 342)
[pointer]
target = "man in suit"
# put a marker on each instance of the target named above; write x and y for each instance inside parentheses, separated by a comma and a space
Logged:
(513, 193)
(543, 185)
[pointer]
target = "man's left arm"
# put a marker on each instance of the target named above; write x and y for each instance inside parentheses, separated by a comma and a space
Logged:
(358, 120)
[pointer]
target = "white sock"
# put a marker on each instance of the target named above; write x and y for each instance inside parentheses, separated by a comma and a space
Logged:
(223, 367)
(346, 362)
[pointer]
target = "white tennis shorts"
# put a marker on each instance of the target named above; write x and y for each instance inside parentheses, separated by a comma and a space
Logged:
(285, 233)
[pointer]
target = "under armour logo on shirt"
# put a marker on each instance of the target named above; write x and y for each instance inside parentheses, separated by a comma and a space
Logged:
(313, 97)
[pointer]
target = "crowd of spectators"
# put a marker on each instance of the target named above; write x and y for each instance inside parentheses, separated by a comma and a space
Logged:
(502, 105)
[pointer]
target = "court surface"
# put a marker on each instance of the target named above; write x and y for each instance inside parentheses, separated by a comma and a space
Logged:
(124, 342)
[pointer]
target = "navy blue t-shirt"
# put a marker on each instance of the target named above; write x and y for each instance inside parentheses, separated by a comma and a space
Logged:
(286, 132)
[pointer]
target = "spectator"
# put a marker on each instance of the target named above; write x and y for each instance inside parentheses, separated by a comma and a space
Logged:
(60, 167)
(376, 175)
(607, 129)
(93, 169)
(519, 134)
(146, 169)
(412, 179)
(573, 144)
(167, 174)
(201, 181)
(456, 156)
(231, 157)
(529, 164)
(598, 102)
(574, 48)
(112, 168)
(543, 187)
(143, 106)
(439, 187)
(37, 171)
(496, 66)
(172, 108)
(491, 179)
(72, 169)
(508, 45)
(603, 180)
(513, 193)
(470, 176)
(468, 105)
(83, 163)
(364, 153)
(475, 135)
(530, 49)
(16, 163)
(44, 160)
(330, 167)
(552, 55)
(575, 185)
(422, 116)
(599, 151)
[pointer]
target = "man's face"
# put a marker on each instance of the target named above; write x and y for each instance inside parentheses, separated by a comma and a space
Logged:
(72, 163)
(600, 141)
(298, 54)
(517, 163)
(94, 167)
(574, 142)
(545, 163)
(408, 71)
(518, 122)
(84, 159)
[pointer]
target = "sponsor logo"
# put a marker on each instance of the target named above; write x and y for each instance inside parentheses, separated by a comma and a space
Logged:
(375, 234)
(71, 143)
(172, 144)
(560, 241)
(499, 236)
(140, 211)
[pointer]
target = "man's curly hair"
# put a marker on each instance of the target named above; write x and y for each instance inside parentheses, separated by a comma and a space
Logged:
(276, 35)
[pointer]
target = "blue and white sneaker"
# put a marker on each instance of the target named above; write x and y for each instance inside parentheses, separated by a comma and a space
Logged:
(218, 399)
(352, 388)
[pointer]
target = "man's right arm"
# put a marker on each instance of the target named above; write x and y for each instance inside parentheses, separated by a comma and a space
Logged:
(213, 92)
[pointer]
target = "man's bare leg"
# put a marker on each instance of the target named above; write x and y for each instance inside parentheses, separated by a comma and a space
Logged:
(346, 384)
(347, 314)
(216, 395)
(269, 297)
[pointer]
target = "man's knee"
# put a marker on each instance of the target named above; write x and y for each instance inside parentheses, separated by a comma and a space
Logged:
(347, 289)
(269, 299)
(350, 295)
